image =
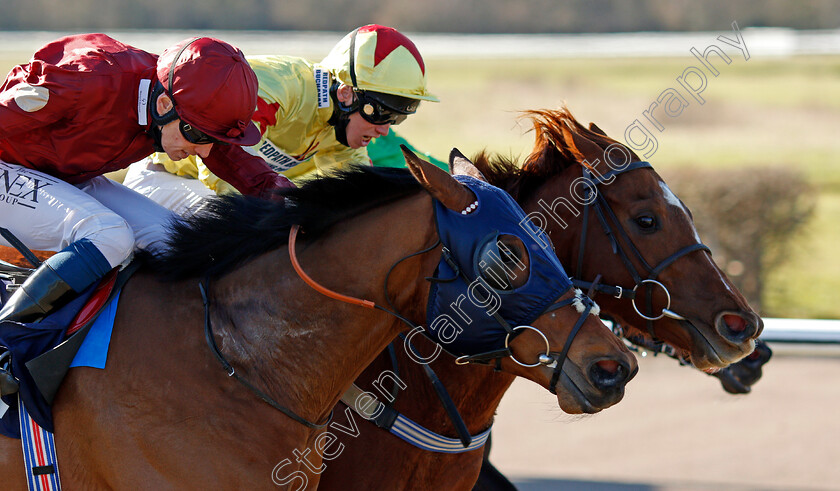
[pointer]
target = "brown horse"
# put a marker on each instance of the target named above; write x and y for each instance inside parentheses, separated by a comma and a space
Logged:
(697, 310)
(718, 329)
(165, 415)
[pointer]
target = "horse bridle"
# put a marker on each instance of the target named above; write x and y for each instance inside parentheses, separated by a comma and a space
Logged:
(606, 216)
(549, 358)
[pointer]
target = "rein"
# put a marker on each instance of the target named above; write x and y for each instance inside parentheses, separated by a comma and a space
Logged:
(613, 229)
(203, 285)
(316, 286)
(369, 304)
(338, 296)
(21, 248)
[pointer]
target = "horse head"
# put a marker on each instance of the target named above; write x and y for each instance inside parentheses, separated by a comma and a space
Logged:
(627, 234)
(506, 296)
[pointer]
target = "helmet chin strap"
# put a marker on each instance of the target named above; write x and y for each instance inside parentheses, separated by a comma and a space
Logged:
(159, 120)
(341, 114)
(156, 135)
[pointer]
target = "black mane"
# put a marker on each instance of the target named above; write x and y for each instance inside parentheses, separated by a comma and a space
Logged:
(231, 230)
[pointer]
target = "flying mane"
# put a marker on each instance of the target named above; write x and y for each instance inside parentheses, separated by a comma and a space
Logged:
(551, 155)
(233, 229)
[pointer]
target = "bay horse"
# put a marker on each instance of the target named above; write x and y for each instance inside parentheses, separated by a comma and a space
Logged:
(717, 326)
(164, 414)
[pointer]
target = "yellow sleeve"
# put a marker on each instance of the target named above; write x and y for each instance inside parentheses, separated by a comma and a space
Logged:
(339, 158)
(186, 167)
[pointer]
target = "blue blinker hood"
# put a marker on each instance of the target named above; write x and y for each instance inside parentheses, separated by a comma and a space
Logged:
(462, 302)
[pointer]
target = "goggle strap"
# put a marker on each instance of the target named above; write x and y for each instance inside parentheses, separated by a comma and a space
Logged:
(172, 67)
(200, 139)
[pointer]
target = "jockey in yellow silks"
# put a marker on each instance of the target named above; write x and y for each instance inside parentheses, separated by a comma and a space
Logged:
(313, 117)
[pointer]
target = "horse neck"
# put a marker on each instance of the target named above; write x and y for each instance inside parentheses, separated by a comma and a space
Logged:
(304, 348)
(563, 226)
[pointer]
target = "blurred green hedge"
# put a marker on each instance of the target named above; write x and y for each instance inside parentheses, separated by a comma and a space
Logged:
(748, 217)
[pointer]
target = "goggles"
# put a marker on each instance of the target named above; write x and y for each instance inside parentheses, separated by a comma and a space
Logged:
(376, 111)
(194, 135)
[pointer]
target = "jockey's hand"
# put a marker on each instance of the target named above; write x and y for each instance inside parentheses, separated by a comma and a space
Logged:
(270, 190)
(739, 378)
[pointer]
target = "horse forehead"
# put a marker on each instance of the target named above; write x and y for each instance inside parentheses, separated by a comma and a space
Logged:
(671, 198)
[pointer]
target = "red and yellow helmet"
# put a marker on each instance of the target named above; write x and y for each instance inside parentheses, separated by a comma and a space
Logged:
(379, 59)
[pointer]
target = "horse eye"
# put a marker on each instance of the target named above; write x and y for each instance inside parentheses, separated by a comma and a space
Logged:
(511, 255)
(503, 264)
(646, 222)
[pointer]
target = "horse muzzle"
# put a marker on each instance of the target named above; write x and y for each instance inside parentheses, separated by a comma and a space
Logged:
(599, 386)
(730, 338)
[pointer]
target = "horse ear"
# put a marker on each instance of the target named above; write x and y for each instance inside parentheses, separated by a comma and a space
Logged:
(585, 148)
(451, 193)
(461, 166)
(595, 129)
(609, 141)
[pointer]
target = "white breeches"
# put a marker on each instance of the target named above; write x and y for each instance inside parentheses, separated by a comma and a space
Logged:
(48, 214)
(183, 195)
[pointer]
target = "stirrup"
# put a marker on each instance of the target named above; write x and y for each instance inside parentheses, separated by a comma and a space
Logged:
(8, 383)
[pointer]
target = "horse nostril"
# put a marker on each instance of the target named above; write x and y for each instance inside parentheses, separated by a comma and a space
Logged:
(735, 327)
(609, 366)
(608, 374)
(735, 323)
(761, 354)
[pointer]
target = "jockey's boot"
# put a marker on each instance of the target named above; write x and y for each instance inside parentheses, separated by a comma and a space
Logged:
(39, 295)
(46, 289)
(43, 291)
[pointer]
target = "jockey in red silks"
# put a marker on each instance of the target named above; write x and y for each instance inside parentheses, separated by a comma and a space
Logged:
(88, 104)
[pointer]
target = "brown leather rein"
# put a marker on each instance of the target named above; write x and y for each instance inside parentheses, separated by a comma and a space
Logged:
(314, 284)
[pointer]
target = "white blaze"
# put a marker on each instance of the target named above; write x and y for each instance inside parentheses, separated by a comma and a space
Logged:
(672, 200)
